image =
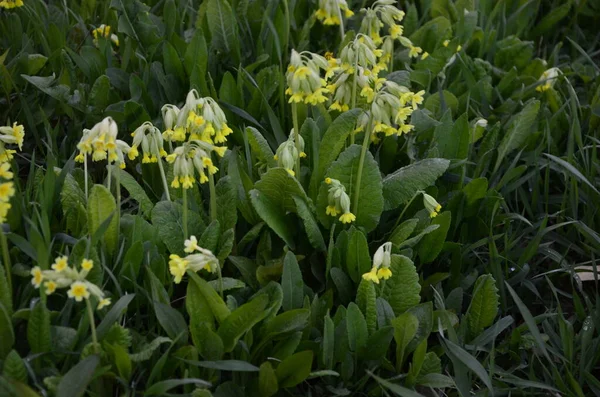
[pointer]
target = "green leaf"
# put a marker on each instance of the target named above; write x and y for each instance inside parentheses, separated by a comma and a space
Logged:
(471, 362)
(328, 343)
(14, 367)
(72, 200)
(400, 186)
(366, 301)
(38, 329)
(273, 215)
(207, 342)
(171, 320)
(167, 217)
(475, 190)
(286, 322)
(226, 203)
(518, 131)
(454, 143)
(378, 344)
(405, 329)
(358, 260)
(203, 302)
(100, 93)
(403, 231)
(121, 360)
(370, 203)
(402, 290)
(294, 369)
(267, 380)
(196, 54)
(484, 304)
(135, 191)
(242, 320)
(291, 283)
(223, 27)
(7, 334)
(550, 20)
(225, 365)
(423, 313)
(172, 61)
(281, 188)
(396, 389)
(260, 147)
(113, 315)
(160, 388)
(357, 328)
(5, 293)
(432, 243)
(145, 353)
(75, 382)
(332, 143)
(310, 224)
(101, 205)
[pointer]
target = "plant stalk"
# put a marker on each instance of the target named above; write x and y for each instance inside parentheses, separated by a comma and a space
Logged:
(109, 177)
(297, 137)
(354, 83)
(405, 208)
(92, 325)
(361, 163)
(185, 213)
(85, 172)
(6, 260)
(213, 197)
(164, 179)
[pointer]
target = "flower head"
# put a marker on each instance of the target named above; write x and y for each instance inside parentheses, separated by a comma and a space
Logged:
(60, 264)
(381, 264)
(8, 4)
(548, 78)
(50, 287)
(287, 153)
(12, 135)
(38, 277)
(103, 303)
(304, 80)
(371, 276)
(431, 205)
(330, 11)
(78, 291)
(338, 201)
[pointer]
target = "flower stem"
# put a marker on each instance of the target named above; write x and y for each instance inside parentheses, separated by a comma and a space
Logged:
(92, 325)
(361, 162)
(405, 208)
(164, 179)
(342, 32)
(354, 83)
(213, 197)
(6, 260)
(109, 176)
(118, 193)
(185, 213)
(297, 136)
(85, 172)
(220, 280)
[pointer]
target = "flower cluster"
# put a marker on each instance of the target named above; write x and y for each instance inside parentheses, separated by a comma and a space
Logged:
(338, 201)
(149, 138)
(199, 119)
(287, 153)
(102, 143)
(8, 135)
(199, 258)
(431, 205)
(381, 264)
(547, 79)
(64, 276)
(104, 31)
(304, 80)
(8, 4)
(192, 156)
(330, 11)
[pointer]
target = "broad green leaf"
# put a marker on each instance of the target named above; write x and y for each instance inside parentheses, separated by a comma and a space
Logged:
(431, 365)
(101, 205)
(310, 224)
(227, 283)
(518, 131)
(366, 301)
(113, 315)
(423, 313)
(332, 144)
(7, 334)
(378, 344)
(267, 380)
(120, 359)
(167, 217)
(454, 143)
(550, 20)
(160, 388)
(400, 186)
(72, 200)
(280, 188)
(291, 283)
(405, 329)
(289, 321)
(135, 191)
(38, 329)
(475, 190)
(260, 147)
(343, 283)
(14, 366)
(209, 344)
(75, 382)
(458, 353)
(484, 304)
(210, 237)
(328, 342)
(226, 203)
(223, 28)
(171, 320)
(403, 231)
(172, 61)
(370, 203)
(358, 260)
(241, 320)
(5, 293)
(396, 389)
(402, 290)
(203, 302)
(145, 353)
(357, 328)
(294, 369)
(196, 54)
(100, 93)
(225, 365)
(432, 243)
(273, 215)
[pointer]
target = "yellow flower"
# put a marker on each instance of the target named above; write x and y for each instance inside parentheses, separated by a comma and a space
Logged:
(8, 4)
(50, 287)
(78, 291)
(103, 303)
(384, 273)
(396, 31)
(87, 264)
(4, 207)
(446, 42)
(191, 245)
(348, 217)
(371, 276)
(414, 51)
(177, 267)
(328, 181)
(37, 279)
(424, 55)
(331, 210)
(7, 190)
(431, 205)
(60, 264)
(5, 171)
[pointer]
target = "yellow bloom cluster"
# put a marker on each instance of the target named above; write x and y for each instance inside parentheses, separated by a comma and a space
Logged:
(304, 80)
(330, 11)
(64, 276)
(287, 153)
(199, 258)
(547, 79)
(8, 135)
(381, 264)
(149, 138)
(102, 143)
(431, 205)
(338, 201)
(8, 4)
(104, 31)
(192, 156)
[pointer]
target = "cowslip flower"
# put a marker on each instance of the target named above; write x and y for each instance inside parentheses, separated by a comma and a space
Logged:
(104, 31)
(287, 153)
(547, 79)
(12, 135)
(8, 4)
(202, 119)
(150, 140)
(199, 258)
(380, 14)
(338, 201)
(381, 264)
(431, 205)
(330, 11)
(304, 80)
(170, 114)
(191, 157)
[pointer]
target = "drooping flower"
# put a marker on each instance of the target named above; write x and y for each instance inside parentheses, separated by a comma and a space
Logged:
(431, 205)
(199, 258)
(330, 11)
(304, 80)
(381, 264)
(382, 13)
(338, 201)
(150, 140)
(287, 153)
(191, 157)
(104, 31)
(202, 119)
(547, 79)
(103, 303)
(37, 277)
(8, 4)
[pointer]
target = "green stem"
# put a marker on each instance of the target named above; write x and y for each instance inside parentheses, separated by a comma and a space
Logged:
(342, 32)
(297, 136)
(185, 213)
(392, 59)
(164, 179)
(213, 197)
(109, 176)
(6, 260)
(361, 162)
(220, 280)
(92, 325)
(405, 208)
(354, 84)
(85, 172)
(118, 188)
